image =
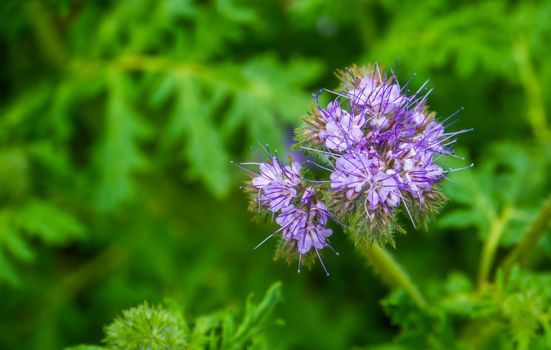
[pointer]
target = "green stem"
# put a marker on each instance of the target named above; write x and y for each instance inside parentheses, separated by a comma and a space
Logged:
(530, 238)
(472, 336)
(532, 87)
(491, 244)
(390, 271)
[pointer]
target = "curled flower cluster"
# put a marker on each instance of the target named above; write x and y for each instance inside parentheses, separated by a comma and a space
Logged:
(379, 145)
(302, 216)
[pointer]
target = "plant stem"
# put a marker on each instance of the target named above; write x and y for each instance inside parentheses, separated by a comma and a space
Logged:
(530, 238)
(390, 271)
(532, 87)
(491, 244)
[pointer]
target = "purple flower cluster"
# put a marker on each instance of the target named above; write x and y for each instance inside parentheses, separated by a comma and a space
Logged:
(378, 144)
(381, 145)
(302, 217)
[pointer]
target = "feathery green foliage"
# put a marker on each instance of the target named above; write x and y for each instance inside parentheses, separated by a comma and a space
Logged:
(118, 121)
(154, 327)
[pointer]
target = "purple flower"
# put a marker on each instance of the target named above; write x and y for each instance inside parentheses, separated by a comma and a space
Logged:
(420, 179)
(383, 191)
(352, 173)
(305, 227)
(277, 184)
(359, 174)
(378, 95)
(292, 221)
(299, 213)
(342, 130)
(313, 236)
(378, 147)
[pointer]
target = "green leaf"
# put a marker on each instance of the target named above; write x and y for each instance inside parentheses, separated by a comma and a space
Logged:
(51, 157)
(203, 331)
(192, 120)
(228, 329)
(7, 271)
(34, 218)
(459, 218)
(22, 110)
(15, 170)
(119, 156)
(257, 317)
(417, 328)
(14, 243)
(48, 222)
(507, 176)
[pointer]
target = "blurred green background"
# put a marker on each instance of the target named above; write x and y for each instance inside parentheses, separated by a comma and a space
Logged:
(118, 121)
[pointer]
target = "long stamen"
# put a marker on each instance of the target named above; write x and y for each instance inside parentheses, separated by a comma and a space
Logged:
(318, 151)
(451, 170)
(318, 165)
(336, 93)
(321, 261)
(407, 210)
(273, 234)
(242, 168)
(332, 249)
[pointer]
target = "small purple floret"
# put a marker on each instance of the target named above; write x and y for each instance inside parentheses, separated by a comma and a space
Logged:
(277, 184)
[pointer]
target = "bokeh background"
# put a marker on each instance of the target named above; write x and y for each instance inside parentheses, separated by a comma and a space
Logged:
(118, 121)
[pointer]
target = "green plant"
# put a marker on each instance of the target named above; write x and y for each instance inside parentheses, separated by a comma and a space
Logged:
(154, 327)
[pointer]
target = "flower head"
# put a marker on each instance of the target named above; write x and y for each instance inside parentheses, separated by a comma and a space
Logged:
(378, 146)
(302, 217)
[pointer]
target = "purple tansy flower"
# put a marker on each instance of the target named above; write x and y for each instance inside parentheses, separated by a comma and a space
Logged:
(319, 211)
(421, 179)
(298, 211)
(418, 118)
(276, 184)
(361, 178)
(352, 173)
(303, 225)
(312, 236)
(377, 94)
(292, 220)
(342, 130)
(380, 145)
(383, 192)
